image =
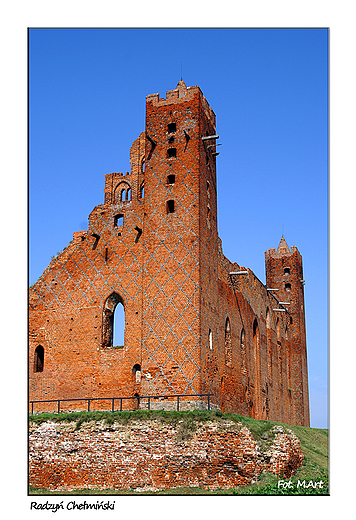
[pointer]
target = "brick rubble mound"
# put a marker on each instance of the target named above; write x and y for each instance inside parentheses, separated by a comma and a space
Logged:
(152, 455)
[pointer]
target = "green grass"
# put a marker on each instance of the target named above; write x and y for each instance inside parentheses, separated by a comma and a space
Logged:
(314, 444)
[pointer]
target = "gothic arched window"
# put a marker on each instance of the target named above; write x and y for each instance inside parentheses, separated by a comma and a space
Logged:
(113, 332)
(228, 343)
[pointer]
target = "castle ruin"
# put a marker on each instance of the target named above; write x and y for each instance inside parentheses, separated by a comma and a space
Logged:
(195, 323)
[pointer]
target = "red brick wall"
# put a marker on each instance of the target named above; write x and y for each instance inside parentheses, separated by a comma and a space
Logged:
(150, 455)
(169, 272)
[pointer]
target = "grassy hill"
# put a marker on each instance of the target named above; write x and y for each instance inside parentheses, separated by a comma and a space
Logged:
(310, 479)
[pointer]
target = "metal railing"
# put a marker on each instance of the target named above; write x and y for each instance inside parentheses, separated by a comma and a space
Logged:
(121, 399)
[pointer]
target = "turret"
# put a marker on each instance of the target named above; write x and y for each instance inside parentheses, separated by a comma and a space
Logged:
(284, 277)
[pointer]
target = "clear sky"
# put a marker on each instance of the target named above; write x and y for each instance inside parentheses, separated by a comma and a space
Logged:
(269, 91)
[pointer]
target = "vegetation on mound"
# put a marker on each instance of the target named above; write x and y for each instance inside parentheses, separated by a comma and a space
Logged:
(314, 445)
(251, 489)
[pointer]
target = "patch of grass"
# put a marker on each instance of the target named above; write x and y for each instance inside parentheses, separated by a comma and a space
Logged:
(252, 489)
(171, 417)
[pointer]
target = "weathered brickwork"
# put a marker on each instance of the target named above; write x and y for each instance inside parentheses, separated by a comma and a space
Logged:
(191, 327)
(150, 455)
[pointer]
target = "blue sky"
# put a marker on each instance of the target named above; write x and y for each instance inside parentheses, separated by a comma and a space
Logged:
(269, 91)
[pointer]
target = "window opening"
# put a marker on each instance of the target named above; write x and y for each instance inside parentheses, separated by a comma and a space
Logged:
(287, 270)
(288, 287)
(172, 152)
(210, 339)
(171, 179)
(123, 196)
(39, 359)
(136, 372)
(172, 127)
(142, 191)
(119, 220)
(113, 322)
(228, 343)
(128, 194)
(143, 166)
(119, 326)
(170, 206)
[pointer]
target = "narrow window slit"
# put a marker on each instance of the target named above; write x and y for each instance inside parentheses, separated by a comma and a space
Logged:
(170, 206)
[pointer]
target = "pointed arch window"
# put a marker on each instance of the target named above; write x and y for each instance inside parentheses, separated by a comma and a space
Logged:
(228, 343)
(113, 328)
(39, 359)
(125, 195)
(256, 340)
(210, 339)
(123, 192)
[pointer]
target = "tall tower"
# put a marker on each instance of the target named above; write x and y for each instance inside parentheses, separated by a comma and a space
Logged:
(284, 272)
(180, 238)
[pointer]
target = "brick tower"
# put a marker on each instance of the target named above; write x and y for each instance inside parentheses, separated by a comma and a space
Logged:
(284, 272)
(180, 234)
(194, 321)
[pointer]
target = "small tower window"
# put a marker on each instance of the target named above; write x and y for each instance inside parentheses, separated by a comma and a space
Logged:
(171, 179)
(118, 220)
(288, 287)
(172, 127)
(172, 152)
(287, 270)
(39, 359)
(128, 194)
(210, 339)
(170, 206)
